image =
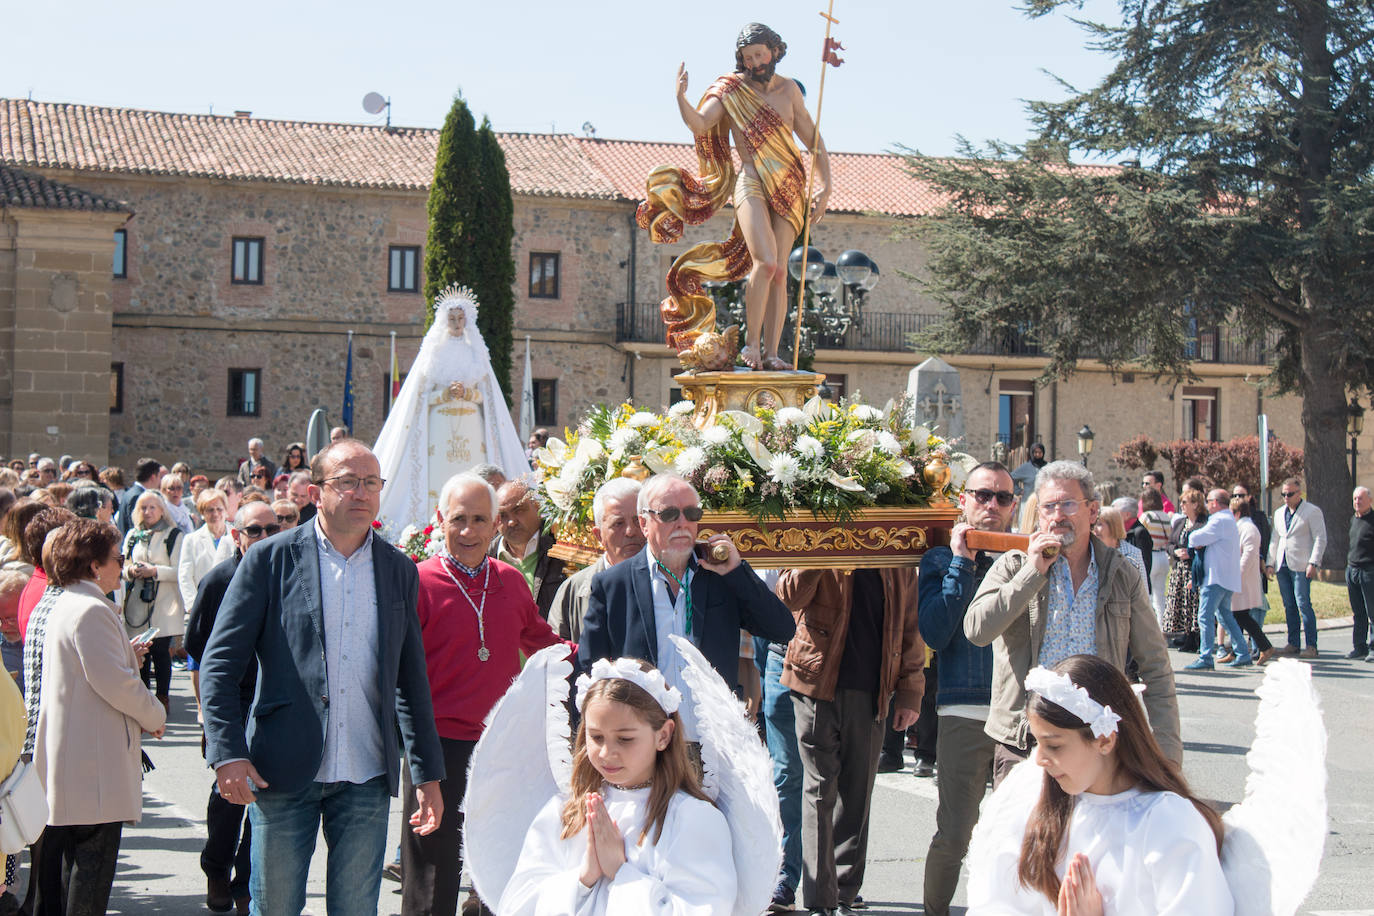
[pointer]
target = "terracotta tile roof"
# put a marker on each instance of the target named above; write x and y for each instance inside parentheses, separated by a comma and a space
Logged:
(90, 138)
(24, 189)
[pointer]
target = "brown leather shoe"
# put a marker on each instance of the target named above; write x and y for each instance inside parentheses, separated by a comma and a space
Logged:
(1287, 652)
(1227, 658)
(1264, 657)
(1309, 652)
(472, 906)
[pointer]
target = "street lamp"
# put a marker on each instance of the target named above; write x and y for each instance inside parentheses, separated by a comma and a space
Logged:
(1355, 426)
(839, 287)
(1085, 443)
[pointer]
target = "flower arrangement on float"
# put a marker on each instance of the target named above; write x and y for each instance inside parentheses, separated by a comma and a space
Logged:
(415, 541)
(830, 460)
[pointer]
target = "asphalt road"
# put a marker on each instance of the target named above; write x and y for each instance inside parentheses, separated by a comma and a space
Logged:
(159, 871)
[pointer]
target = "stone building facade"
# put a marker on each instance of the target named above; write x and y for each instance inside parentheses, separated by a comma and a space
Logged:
(312, 218)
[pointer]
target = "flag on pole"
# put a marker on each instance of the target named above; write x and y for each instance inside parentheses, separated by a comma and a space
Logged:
(829, 56)
(395, 389)
(527, 397)
(347, 417)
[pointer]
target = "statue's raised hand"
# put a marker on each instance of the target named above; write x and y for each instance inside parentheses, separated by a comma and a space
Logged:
(682, 78)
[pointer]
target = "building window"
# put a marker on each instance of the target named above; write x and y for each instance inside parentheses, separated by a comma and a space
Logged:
(247, 261)
(1200, 414)
(245, 392)
(403, 274)
(838, 383)
(116, 387)
(1016, 413)
(121, 266)
(544, 275)
(546, 402)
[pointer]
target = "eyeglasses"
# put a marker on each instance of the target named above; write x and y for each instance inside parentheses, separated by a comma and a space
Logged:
(670, 514)
(117, 558)
(257, 531)
(286, 518)
(1069, 507)
(1004, 497)
(347, 483)
(1287, 493)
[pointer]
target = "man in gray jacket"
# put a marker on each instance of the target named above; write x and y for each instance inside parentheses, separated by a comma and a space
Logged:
(1086, 598)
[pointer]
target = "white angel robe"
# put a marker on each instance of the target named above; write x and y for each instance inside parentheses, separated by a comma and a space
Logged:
(690, 871)
(1152, 853)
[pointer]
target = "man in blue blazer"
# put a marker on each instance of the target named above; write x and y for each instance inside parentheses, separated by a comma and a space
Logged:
(666, 588)
(329, 611)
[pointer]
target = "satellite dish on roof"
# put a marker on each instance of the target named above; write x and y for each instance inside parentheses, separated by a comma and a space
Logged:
(373, 103)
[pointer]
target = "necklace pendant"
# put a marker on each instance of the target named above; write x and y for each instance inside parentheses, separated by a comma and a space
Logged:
(483, 654)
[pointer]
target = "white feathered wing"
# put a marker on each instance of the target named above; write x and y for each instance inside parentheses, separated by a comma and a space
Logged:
(738, 777)
(1274, 838)
(523, 759)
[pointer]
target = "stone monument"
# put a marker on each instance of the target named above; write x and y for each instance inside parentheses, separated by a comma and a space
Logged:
(936, 398)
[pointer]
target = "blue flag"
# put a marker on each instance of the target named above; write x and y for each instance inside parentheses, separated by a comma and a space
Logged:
(347, 417)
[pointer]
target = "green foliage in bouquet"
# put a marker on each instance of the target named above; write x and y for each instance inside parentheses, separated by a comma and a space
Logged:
(827, 459)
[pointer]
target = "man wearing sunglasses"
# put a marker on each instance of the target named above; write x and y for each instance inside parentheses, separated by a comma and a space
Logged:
(225, 856)
(1295, 556)
(1084, 598)
(667, 589)
(949, 577)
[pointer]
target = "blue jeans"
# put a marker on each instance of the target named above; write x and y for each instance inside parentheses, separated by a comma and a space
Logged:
(781, 730)
(1297, 602)
(284, 828)
(1359, 583)
(1211, 600)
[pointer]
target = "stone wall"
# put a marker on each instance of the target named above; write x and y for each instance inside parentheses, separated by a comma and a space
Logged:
(55, 308)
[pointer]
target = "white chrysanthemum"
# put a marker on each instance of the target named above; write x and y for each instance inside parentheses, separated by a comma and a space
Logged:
(621, 438)
(641, 419)
(867, 413)
(715, 435)
(689, 459)
(408, 532)
(785, 470)
(682, 408)
(791, 416)
(888, 444)
(810, 448)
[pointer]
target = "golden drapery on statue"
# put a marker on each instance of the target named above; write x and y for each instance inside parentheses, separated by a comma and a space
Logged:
(675, 199)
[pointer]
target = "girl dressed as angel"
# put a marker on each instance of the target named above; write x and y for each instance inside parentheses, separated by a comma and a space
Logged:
(636, 835)
(1100, 822)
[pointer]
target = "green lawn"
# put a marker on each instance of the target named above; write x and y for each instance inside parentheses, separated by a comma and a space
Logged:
(1329, 599)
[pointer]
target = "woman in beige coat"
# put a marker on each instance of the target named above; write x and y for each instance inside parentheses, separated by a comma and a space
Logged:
(93, 712)
(152, 552)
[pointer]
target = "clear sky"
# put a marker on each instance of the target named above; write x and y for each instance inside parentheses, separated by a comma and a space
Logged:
(916, 72)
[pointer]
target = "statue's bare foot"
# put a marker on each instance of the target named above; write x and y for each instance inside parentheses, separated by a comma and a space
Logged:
(750, 355)
(775, 364)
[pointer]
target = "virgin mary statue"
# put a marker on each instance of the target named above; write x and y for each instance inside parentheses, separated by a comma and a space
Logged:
(449, 416)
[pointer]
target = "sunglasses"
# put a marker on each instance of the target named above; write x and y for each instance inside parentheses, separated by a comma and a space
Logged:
(286, 518)
(670, 514)
(257, 531)
(1288, 493)
(1004, 497)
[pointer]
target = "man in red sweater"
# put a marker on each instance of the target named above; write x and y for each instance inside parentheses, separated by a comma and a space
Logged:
(476, 617)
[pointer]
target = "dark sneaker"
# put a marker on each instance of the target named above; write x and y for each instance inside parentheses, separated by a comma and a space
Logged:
(784, 899)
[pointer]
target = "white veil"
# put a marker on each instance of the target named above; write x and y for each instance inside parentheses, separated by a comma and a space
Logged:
(402, 447)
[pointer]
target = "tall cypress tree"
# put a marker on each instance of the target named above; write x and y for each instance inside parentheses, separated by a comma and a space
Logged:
(492, 237)
(471, 227)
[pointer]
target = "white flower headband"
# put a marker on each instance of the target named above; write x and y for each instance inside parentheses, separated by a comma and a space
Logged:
(628, 669)
(1060, 690)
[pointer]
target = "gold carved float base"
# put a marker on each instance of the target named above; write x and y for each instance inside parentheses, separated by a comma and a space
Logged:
(741, 389)
(872, 538)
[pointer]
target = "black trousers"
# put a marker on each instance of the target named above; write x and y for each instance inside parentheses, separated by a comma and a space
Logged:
(76, 870)
(432, 866)
(158, 664)
(228, 843)
(927, 728)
